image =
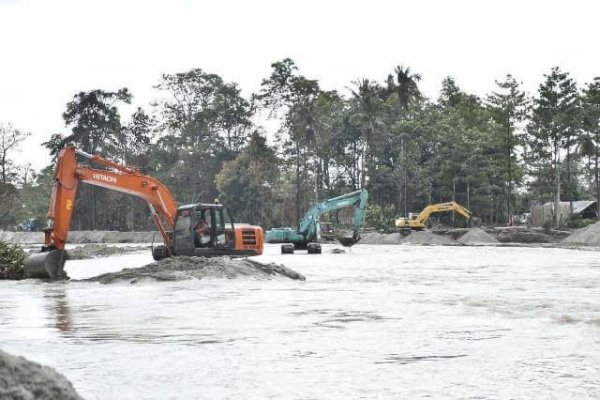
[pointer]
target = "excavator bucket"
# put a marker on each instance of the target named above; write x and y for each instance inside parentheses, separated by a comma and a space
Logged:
(46, 265)
(346, 241)
(347, 238)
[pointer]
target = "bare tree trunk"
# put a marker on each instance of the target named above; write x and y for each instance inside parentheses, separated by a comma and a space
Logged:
(597, 180)
(453, 197)
(468, 195)
(405, 196)
(297, 182)
(557, 194)
(508, 197)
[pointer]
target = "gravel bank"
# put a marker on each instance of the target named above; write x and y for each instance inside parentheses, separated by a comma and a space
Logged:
(477, 236)
(420, 237)
(183, 268)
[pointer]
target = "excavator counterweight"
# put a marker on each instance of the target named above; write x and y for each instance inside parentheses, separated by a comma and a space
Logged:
(176, 225)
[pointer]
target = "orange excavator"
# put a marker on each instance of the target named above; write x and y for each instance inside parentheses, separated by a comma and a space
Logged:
(178, 226)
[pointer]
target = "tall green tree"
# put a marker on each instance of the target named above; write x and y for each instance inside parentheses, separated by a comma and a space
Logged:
(404, 87)
(404, 94)
(553, 126)
(94, 120)
(95, 126)
(246, 184)
(508, 106)
(10, 139)
(205, 122)
(591, 126)
(367, 112)
(294, 97)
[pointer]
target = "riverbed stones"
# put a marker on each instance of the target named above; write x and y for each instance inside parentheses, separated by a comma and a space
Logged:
(184, 268)
(21, 379)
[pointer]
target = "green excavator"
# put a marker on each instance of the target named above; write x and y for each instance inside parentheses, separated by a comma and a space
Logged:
(308, 233)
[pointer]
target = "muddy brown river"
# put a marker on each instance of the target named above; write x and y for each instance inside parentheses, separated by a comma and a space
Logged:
(378, 322)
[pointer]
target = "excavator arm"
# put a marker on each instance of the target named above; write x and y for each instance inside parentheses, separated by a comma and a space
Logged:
(419, 222)
(308, 229)
(443, 207)
(308, 225)
(117, 177)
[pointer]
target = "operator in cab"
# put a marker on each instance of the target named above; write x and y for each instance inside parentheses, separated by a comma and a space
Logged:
(202, 233)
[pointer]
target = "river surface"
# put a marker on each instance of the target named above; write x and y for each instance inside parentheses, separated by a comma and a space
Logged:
(379, 322)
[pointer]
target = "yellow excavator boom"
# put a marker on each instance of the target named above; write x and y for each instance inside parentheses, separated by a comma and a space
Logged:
(418, 222)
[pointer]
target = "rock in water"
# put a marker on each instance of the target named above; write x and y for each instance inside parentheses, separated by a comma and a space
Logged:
(21, 379)
(183, 268)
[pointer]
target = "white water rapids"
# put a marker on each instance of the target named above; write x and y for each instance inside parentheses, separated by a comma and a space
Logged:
(385, 322)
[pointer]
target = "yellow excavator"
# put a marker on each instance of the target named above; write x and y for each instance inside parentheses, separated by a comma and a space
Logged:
(416, 222)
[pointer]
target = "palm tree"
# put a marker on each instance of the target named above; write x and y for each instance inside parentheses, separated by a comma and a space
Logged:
(366, 113)
(406, 89)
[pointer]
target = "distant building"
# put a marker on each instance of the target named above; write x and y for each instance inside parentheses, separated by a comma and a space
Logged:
(544, 213)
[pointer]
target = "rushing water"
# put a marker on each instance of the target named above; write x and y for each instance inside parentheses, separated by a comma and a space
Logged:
(384, 322)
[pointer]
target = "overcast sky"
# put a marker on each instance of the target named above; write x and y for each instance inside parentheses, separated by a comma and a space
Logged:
(51, 50)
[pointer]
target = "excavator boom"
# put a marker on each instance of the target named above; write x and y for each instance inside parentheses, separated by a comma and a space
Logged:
(67, 175)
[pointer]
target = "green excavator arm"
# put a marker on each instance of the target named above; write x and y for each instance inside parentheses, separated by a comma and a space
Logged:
(309, 229)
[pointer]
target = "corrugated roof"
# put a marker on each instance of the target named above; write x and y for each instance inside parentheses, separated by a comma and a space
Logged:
(578, 206)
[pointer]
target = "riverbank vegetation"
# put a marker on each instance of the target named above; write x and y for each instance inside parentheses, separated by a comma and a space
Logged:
(203, 138)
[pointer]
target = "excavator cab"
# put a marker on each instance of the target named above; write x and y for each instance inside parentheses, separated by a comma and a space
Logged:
(216, 238)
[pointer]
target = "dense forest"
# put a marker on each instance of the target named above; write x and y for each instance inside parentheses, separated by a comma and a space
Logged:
(495, 155)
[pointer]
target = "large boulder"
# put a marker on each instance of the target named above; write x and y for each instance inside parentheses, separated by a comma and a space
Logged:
(21, 379)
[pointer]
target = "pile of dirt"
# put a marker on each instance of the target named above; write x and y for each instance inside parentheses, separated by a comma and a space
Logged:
(21, 379)
(183, 268)
(371, 238)
(588, 236)
(425, 238)
(98, 250)
(392, 238)
(523, 235)
(422, 237)
(477, 236)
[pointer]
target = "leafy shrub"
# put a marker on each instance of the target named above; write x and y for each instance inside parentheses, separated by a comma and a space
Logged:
(12, 261)
(380, 218)
(578, 222)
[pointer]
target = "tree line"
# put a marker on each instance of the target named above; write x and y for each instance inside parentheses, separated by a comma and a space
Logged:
(495, 154)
